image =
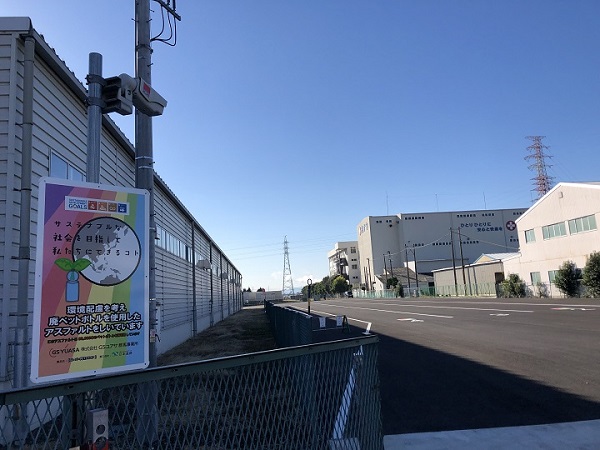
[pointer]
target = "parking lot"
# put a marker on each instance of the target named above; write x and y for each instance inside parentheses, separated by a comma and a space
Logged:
(464, 363)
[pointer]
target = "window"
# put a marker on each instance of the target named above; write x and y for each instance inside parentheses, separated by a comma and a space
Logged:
(59, 168)
(582, 224)
(355, 266)
(352, 249)
(535, 278)
(554, 230)
(552, 275)
(529, 236)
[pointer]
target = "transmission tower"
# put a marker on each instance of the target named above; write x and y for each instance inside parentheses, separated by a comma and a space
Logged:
(288, 284)
(542, 181)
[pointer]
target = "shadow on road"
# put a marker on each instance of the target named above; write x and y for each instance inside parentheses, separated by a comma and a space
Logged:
(427, 390)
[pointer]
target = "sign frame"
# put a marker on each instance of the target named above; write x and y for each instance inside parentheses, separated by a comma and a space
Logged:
(91, 295)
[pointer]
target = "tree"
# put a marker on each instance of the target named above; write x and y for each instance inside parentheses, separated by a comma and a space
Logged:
(513, 286)
(339, 285)
(591, 274)
(399, 290)
(261, 289)
(567, 279)
(391, 283)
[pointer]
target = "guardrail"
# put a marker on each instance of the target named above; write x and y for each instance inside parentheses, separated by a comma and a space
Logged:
(320, 396)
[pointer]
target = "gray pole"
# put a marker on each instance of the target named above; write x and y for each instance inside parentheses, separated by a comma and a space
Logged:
(453, 261)
(462, 260)
(144, 179)
(144, 161)
(407, 268)
(21, 338)
(416, 271)
(20, 363)
(94, 109)
(387, 275)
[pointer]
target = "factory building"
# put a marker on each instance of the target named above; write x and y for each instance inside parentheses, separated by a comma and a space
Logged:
(343, 260)
(561, 226)
(428, 241)
(197, 285)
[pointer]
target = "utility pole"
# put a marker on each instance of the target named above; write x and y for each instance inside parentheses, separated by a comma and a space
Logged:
(385, 269)
(144, 159)
(462, 260)
(416, 271)
(407, 269)
(144, 179)
(453, 262)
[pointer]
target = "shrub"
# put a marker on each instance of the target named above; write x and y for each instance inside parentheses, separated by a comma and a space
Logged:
(513, 286)
(591, 275)
(567, 279)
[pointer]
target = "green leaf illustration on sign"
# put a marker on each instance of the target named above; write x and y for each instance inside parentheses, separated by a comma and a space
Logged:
(72, 268)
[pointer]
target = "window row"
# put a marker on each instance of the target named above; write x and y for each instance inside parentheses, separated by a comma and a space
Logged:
(579, 225)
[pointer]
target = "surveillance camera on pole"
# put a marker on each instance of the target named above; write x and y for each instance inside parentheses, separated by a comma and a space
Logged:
(121, 93)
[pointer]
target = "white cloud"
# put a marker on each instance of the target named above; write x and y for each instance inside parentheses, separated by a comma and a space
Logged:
(303, 279)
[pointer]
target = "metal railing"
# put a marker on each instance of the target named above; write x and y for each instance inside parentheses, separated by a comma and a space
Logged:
(320, 396)
(289, 326)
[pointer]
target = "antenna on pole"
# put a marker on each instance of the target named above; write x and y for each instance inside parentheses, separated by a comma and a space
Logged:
(288, 284)
(542, 181)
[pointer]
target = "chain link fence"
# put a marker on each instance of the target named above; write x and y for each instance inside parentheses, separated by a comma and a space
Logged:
(319, 396)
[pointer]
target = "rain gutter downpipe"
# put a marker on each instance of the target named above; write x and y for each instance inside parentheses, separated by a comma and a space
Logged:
(22, 313)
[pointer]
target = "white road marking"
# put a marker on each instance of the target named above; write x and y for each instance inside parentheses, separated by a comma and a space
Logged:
(463, 307)
(574, 309)
(499, 315)
(393, 312)
(411, 320)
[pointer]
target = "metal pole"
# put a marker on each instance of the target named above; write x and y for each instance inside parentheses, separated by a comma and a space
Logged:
(94, 111)
(144, 179)
(22, 312)
(194, 296)
(385, 269)
(462, 260)
(20, 363)
(407, 269)
(391, 267)
(453, 262)
(416, 271)
(144, 161)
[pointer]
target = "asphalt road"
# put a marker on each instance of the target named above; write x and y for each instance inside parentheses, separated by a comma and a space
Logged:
(463, 363)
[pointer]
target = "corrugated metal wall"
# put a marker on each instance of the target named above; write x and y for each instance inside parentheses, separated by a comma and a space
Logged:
(60, 128)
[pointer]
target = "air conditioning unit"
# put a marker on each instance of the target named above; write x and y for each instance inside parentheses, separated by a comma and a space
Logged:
(203, 264)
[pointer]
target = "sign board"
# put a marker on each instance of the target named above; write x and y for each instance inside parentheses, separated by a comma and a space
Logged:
(91, 300)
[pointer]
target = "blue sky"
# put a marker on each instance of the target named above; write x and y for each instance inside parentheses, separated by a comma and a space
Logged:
(300, 118)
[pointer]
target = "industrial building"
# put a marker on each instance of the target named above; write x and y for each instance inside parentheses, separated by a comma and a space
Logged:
(561, 226)
(428, 241)
(196, 284)
(343, 260)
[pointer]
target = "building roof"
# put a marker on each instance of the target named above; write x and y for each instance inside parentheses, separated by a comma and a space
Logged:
(489, 257)
(583, 184)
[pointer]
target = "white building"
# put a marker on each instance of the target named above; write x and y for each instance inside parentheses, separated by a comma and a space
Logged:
(344, 260)
(561, 226)
(434, 240)
(196, 284)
